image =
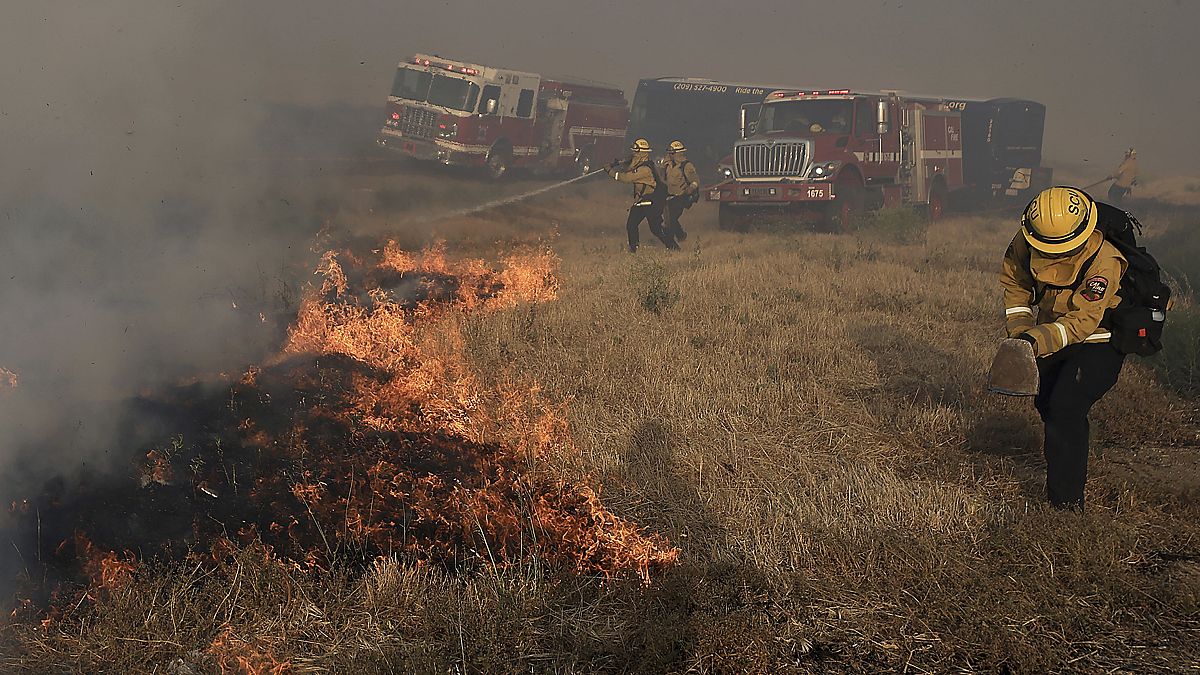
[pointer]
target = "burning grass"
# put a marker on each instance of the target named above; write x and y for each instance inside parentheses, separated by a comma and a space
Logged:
(806, 422)
(368, 436)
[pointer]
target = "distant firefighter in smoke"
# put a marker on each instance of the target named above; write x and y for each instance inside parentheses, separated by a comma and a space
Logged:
(1124, 178)
(683, 187)
(649, 194)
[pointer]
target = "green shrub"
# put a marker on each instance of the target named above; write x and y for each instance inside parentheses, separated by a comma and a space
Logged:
(652, 284)
(902, 225)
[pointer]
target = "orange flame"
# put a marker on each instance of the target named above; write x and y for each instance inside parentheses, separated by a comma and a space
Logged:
(371, 433)
(236, 655)
(406, 327)
(105, 569)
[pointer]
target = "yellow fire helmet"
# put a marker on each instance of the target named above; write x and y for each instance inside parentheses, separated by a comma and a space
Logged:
(676, 146)
(640, 145)
(1059, 219)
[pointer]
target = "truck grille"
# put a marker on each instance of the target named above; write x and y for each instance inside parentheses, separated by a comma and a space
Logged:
(760, 159)
(417, 122)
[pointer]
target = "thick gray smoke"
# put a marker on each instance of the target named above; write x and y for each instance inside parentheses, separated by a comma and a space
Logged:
(140, 231)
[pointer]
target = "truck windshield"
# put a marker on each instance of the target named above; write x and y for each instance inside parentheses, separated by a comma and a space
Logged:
(449, 92)
(818, 116)
(411, 84)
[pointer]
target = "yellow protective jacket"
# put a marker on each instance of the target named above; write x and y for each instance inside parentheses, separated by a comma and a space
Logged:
(640, 174)
(680, 175)
(1127, 173)
(1060, 301)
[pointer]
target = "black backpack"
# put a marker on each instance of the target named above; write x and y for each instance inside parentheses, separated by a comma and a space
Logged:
(692, 197)
(1137, 322)
(659, 196)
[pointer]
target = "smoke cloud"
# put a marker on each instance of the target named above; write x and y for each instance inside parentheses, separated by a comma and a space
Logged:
(142, 234)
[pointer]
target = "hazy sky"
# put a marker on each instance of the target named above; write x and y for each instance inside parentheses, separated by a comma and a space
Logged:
(1111, 73)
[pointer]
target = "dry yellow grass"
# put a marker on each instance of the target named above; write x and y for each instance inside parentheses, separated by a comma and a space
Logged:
(804, 416)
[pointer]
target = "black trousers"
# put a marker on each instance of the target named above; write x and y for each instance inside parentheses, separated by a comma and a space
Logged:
(652, 214)
(1117, 194)
(675, 208)
(1071, 381)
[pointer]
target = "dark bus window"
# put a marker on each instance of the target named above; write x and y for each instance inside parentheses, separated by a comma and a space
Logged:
(491, 92)
(525, 103)
(706, 123)
(1020, 128)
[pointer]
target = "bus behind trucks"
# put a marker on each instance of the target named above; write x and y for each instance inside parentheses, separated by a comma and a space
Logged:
(831, 154)
(467, 114)
(704, 114)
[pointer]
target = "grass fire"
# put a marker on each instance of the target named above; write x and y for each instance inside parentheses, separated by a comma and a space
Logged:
(448, 463)
(546, 339)
(366, 438)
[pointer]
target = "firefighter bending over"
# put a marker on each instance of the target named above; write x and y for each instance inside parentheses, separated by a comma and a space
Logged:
(683, 187)
(1124, 179)
(648, 194)
(1059, 277)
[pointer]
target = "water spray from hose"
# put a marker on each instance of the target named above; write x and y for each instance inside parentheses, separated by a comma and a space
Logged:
(513, 199)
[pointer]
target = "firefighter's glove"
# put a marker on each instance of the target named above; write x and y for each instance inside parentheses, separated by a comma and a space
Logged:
(1014, 370)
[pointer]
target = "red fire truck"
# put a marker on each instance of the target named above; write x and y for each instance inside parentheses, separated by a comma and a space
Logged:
(831, 154)
(460, 113)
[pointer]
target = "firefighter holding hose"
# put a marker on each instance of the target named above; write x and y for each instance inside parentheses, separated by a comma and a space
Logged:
(649, 192)
(1124, 178)
(1060, 275)
(683, 187)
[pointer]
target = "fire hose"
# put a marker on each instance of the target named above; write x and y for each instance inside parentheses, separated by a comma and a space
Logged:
(1102, 180)
(513, 199)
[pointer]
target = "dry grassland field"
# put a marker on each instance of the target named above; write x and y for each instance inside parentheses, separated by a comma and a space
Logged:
(801, 415)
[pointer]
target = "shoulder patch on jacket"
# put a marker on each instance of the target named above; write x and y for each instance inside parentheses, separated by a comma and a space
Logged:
(1094, 288)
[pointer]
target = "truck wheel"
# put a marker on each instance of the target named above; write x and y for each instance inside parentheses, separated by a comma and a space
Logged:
(497, 163)
(730, 220)
(937, 203)
(848, 206)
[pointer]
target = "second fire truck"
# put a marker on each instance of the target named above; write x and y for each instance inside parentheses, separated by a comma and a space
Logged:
(832, 154)
(459, 113)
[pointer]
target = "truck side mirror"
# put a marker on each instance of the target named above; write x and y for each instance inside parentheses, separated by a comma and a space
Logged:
(748, 119)
(489, 107)
(881, 117)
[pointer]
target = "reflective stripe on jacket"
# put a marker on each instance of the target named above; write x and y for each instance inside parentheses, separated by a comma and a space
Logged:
(1054, 300)
(640, 174)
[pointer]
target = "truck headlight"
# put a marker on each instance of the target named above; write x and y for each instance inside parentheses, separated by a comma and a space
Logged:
(726, 172)
(448, 131)
(824, 170)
